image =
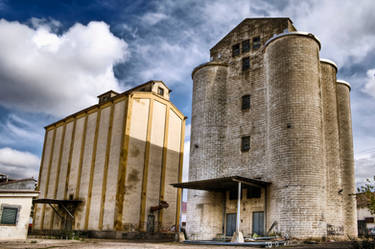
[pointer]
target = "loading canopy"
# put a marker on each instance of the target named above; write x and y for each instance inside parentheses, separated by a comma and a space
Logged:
(221, 184)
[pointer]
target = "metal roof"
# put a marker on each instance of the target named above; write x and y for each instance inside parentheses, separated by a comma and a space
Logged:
(221, 184)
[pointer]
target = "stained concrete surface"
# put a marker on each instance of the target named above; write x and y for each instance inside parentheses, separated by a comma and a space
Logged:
(86, 244)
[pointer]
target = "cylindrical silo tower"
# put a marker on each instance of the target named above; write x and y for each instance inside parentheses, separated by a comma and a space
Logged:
(207, 132)
(294, 129)
(208, 120)
(334, 212)
(347, 158)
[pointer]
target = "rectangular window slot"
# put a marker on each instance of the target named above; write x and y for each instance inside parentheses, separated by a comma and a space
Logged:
(245, 46)
(236, 50)
(245, 143)
(245, 63)
(256, 43)
(160, 91)
(245, 105)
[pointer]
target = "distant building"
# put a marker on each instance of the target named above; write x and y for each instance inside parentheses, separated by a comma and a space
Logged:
(15, 207)
(366, 220)
(28, 183)
(271, 138)
(107, 170)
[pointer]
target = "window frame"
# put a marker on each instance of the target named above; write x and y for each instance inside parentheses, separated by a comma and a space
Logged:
(245, 148)
(161, 91)
(236, 51)
(245, 46)
(256, 43)
(245, 63)
(7, 206)
(245, 102)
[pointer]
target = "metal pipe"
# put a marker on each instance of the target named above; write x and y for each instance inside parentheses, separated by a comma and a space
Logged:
(238, 208)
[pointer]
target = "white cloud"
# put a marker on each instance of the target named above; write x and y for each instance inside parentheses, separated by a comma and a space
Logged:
(41, 71)
(364, 168)
(369, 87)
(152, 18)
(17, 131)
(18, 164)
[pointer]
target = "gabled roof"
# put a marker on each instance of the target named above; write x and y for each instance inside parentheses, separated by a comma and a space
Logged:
(246, 20)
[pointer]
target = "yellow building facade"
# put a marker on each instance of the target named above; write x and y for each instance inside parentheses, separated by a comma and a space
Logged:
(109, 167)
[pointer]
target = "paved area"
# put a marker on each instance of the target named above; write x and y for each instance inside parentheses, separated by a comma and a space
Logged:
(114, 244)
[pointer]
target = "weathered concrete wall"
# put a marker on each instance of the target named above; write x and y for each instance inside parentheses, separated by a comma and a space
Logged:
(113, 165)
(171, 172)
(347, 158)
(136, 156)
(204, 214)
(156, 160)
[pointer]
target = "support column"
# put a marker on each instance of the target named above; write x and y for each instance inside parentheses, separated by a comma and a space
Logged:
(238, 236)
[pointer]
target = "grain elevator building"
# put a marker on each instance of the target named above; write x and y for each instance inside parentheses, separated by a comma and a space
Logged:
(107, 170)
(271, 140)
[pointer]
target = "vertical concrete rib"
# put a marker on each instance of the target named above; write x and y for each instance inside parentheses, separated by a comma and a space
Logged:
(105, 173)
(145, 167)
(58, 171)
(123, 165)
(41, 168)
(70, 159)
(48, 175)
(88, 205)
(81, 158)
(164, 164)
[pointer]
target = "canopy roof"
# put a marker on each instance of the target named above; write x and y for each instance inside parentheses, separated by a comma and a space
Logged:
(221, 184)
(55, 201)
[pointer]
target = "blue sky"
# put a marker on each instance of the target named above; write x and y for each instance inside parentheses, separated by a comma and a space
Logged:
(57, 56)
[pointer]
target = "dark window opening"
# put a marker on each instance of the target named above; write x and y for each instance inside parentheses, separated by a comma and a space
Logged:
(160, 91)
(233, 194)
(253, 192)
(245, 63)
(245, 143)
(9, 216)
(256, 42)
(236, 50)
(245, 46)
(245, 105)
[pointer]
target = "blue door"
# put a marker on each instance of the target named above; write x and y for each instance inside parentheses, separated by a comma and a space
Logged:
(258, 223)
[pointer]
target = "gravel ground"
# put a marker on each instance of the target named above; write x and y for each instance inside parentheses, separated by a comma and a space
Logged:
(114, 244)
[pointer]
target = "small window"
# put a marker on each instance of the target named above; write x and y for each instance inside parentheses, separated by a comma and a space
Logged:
(256, 43)
(245, 105)
(245, 63)
(160, 91)
(236, 50)
(245, 143)
(9, 216)
(253, 192)
(245, 46)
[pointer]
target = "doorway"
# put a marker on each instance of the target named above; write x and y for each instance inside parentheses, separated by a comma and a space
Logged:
(230, 224)
(258, 223)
